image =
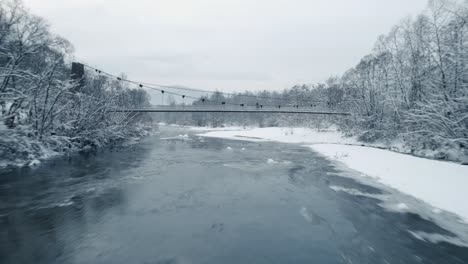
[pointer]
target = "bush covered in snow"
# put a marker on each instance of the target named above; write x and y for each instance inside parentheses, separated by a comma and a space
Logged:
(42, 110)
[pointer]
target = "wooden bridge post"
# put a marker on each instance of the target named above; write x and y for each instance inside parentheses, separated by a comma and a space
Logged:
(77, 73)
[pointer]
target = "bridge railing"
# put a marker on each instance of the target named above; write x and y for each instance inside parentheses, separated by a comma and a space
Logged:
(230, 109)
(233, 107)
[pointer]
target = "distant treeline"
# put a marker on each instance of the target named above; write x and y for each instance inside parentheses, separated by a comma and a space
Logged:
(40, 106)
(412, 87)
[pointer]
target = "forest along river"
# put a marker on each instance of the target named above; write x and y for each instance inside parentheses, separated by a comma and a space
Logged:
(187, 199)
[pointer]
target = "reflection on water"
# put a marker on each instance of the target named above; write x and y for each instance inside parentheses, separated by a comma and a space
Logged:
(187, 200)
(43, 208)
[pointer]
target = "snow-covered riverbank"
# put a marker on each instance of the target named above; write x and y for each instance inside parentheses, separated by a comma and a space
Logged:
(440, 184)
(18, 148)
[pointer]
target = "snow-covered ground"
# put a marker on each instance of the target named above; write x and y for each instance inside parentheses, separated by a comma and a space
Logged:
(439, 184)
(286, 135)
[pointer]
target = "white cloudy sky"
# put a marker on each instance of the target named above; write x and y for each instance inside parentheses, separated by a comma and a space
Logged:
(224, 44)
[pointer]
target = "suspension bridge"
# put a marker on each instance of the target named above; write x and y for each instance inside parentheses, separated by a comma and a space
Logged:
(302, 106)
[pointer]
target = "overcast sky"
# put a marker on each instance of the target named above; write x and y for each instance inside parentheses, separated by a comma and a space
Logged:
(224, 44)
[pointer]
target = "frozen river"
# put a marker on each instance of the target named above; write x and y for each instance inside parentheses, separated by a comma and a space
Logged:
(177, 198)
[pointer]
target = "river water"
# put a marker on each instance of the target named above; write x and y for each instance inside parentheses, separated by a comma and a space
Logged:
(187, 199)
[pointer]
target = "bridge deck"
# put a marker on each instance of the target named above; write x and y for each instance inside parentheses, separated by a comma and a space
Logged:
(191, 109)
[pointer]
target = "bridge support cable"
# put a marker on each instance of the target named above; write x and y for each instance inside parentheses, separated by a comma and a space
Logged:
(257, 108)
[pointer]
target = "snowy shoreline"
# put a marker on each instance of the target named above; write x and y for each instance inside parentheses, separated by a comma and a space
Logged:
(438, 183)
(19, 150)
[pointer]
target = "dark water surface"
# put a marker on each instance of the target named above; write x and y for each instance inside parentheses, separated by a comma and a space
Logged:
(194, 200)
